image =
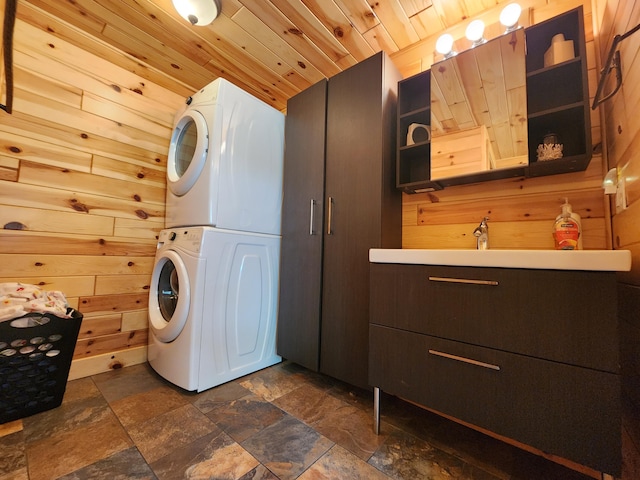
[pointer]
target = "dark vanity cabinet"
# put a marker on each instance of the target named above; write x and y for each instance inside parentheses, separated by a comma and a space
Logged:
(530, 355)
(557, 98)
(340, 200)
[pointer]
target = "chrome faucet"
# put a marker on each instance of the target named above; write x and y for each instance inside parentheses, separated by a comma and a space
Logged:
(482, 235)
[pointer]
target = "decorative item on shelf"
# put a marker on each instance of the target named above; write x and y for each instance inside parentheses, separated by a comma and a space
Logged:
(560, 51)
(550, 148)
(418, 133)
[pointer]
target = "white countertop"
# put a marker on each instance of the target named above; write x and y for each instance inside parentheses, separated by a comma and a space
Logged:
(599, 260)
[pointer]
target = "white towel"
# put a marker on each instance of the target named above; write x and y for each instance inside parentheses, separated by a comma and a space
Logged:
(18, 299)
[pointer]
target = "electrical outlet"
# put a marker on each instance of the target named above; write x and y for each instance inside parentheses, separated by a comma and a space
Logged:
(621, 195)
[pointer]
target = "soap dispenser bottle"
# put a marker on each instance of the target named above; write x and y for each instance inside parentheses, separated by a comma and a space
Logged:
(567, 231)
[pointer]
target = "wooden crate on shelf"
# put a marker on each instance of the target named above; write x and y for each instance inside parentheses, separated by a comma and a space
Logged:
(460, 153)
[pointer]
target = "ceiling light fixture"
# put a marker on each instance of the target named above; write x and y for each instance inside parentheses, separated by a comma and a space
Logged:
(444, 45)
(509, 16)
(475, 33)
(198, 12)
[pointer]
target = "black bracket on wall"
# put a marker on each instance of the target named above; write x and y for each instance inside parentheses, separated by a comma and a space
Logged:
(612, 63)
(7, 48)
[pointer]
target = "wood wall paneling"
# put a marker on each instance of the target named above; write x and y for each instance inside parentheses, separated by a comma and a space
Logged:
(82, 183)
(84, 367)
(19, 242)
(9, 168)
(296, 72)
(621, 145)
(94, 50)
(135, 320)
(100, 325)
(113, 303)
(105, 344)
(521, 211)
(38, 265)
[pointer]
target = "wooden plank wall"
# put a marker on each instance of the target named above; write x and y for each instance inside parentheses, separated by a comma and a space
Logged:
(522, 212)
(82, 185)
(622, 140)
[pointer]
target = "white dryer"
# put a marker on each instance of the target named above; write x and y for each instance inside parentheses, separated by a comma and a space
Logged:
(212, 305)
(225, 162)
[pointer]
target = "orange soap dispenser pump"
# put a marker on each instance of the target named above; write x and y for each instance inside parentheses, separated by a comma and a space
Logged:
(567, 229)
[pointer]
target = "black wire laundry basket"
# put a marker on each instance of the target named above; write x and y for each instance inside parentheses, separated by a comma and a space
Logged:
(35, 357)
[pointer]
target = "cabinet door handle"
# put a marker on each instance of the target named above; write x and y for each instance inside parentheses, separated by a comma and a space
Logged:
(464, 359)
(330, 215)
(313, 209)
(463, 280)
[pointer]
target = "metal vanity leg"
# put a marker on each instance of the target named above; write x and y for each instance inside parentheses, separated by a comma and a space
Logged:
(376, 411)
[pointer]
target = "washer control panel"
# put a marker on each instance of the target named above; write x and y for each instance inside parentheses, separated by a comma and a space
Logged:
(187, 238)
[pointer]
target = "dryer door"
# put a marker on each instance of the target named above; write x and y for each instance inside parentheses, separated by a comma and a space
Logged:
(187, 152)
(170, 297)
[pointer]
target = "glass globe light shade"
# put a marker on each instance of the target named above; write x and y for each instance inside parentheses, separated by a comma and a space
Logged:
(198, 12)
(510, 15)
(444, 45)
(475, 32)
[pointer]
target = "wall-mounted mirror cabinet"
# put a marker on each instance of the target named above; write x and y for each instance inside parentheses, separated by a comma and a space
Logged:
(479, 109)
(514, 106)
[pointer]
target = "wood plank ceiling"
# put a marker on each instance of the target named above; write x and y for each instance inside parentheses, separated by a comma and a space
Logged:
(271, 48)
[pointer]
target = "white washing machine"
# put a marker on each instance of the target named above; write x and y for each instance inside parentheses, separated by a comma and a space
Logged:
(225, 162)
(213, 305)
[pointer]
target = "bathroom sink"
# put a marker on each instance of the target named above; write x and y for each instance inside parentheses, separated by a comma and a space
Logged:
(602, 260)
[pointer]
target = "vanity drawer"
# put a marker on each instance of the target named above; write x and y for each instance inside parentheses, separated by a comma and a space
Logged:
(565, 316)
(571, 411)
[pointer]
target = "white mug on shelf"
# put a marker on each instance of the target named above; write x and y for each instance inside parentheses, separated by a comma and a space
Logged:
(418, 133)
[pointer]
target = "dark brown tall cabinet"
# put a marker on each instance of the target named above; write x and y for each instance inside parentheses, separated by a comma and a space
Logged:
(328, 312)
(302, 228)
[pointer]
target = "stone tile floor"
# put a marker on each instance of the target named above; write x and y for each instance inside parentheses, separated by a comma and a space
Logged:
(283, 422)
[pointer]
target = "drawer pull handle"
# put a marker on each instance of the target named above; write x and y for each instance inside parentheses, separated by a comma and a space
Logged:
(464, 359)
(463, 280)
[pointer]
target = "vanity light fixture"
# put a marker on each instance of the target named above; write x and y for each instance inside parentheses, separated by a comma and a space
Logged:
(198, 12)
(509, 16)
(475, 33)
(444, 45)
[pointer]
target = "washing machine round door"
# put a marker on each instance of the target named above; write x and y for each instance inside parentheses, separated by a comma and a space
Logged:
(170, 297)
(187, 152)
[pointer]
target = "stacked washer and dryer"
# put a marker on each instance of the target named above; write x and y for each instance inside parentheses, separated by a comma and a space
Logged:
(214, 287)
